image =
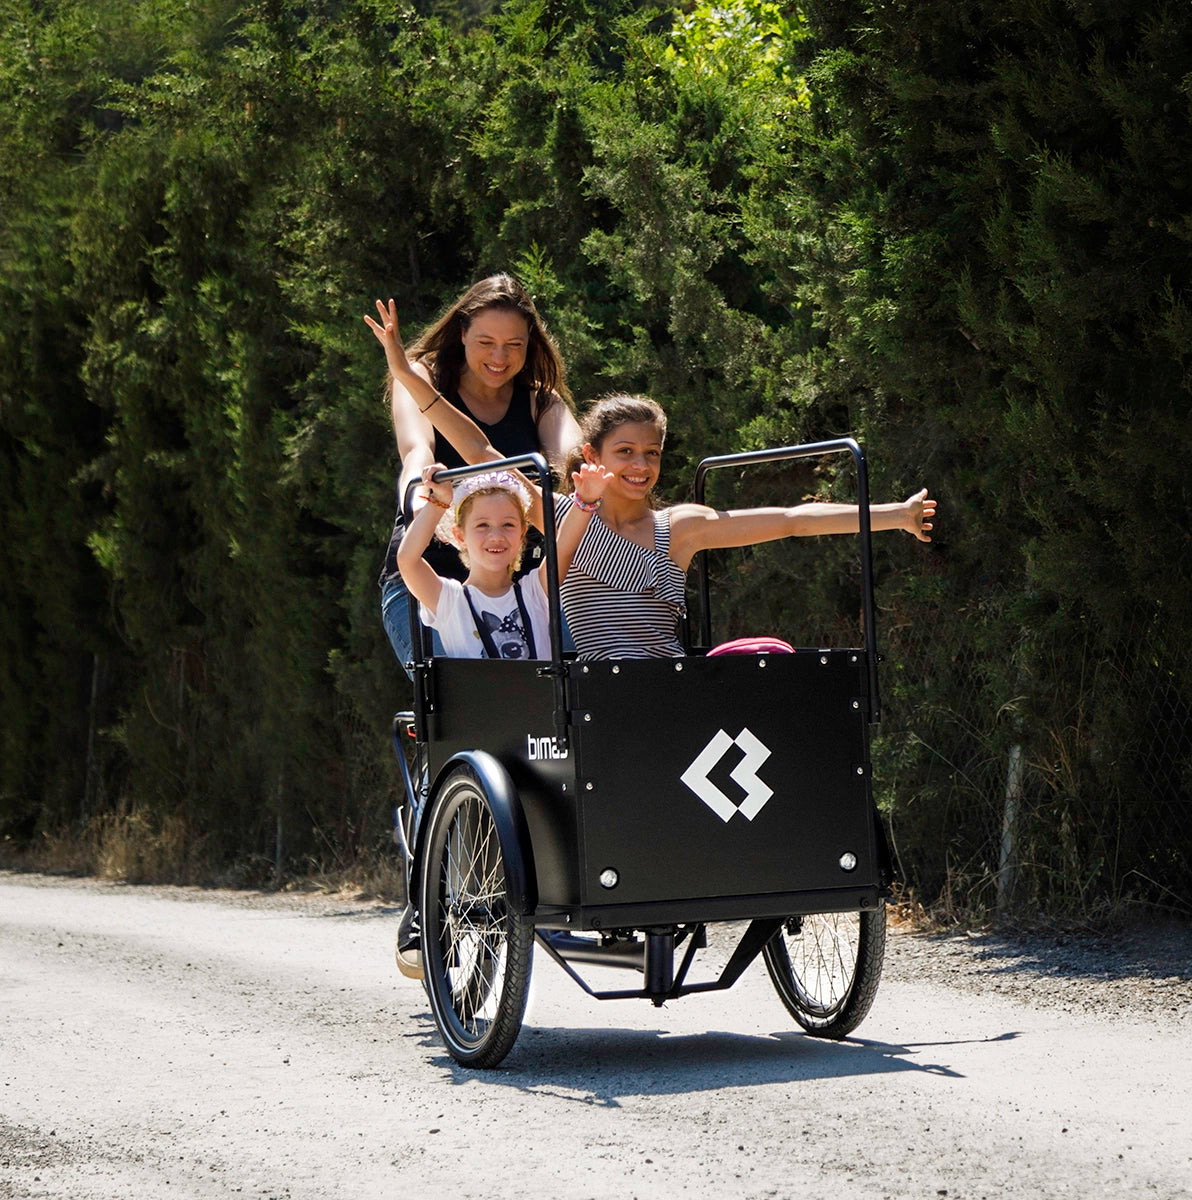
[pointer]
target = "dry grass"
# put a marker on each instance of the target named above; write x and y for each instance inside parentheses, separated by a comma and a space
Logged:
(962, 907)
(131, 847)
(138, 848)
(906, 914)
(375, 875)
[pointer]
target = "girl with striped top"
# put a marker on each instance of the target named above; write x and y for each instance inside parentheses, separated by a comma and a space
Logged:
(624, 592)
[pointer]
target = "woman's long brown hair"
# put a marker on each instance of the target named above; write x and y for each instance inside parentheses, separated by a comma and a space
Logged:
(441, 346)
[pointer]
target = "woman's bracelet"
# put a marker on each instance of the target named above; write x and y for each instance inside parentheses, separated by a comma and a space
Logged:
(438, 397)
(434, 499)
(584, 506)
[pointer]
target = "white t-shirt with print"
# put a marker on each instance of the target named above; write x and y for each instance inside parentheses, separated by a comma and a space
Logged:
(453, 619)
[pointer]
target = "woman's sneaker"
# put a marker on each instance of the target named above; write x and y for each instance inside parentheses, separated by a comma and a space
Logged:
(409, 945)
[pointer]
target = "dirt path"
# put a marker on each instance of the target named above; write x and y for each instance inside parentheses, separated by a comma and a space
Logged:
(178, 1043)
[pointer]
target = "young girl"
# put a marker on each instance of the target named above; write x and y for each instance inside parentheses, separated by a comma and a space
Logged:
(624, 592)
(489, 614)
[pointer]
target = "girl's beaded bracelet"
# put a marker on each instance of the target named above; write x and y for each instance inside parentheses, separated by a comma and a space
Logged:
(584, 506)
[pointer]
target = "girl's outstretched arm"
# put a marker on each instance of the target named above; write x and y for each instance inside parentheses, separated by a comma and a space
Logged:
(696, 527)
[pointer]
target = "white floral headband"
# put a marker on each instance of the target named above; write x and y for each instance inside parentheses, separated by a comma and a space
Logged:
(490, 481)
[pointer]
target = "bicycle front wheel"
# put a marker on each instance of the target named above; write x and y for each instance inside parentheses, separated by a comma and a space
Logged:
(475, 949)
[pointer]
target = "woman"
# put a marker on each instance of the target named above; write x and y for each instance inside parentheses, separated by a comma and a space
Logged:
(490, 356)
(624, 593)
(487, 376)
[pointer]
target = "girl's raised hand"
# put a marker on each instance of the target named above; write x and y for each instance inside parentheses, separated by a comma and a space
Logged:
(440, 493)
(389, 335)
(920, 510)
(590, 481)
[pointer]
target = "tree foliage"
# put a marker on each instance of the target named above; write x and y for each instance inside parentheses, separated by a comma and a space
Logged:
(956, 231)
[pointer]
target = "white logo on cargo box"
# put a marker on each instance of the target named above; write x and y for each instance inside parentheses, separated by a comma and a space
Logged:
(745, 773)
(538, 748)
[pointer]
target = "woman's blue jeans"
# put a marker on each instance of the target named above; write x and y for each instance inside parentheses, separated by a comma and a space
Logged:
(395, 616)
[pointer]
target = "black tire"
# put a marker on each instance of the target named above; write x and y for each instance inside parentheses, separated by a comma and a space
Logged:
(475, 950)
(826, 968)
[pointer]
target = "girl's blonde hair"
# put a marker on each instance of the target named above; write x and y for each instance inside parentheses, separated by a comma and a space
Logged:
(464, 495)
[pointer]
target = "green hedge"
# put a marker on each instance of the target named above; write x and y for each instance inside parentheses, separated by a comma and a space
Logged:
(957, 231)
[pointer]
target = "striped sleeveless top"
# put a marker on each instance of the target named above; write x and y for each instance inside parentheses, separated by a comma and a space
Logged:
(622, 600)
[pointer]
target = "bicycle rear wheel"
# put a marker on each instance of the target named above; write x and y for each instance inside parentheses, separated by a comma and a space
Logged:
(826, 968)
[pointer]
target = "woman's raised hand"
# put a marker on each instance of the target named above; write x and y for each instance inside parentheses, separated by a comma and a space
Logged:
(389, 335)
(920, 513)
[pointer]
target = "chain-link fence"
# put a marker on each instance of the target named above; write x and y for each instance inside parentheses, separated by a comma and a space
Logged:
(1054, 776)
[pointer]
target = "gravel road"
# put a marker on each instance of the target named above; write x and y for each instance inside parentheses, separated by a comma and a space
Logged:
(176, 1043)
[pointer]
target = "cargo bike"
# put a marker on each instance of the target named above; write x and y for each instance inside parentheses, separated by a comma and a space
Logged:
(611, 811)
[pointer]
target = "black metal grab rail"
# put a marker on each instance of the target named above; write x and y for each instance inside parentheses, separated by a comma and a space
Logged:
(809, 450)
(537, 464)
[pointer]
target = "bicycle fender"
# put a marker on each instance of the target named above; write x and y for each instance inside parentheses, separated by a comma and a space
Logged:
(521, 884)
